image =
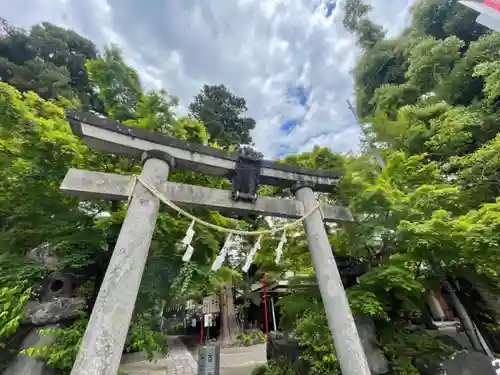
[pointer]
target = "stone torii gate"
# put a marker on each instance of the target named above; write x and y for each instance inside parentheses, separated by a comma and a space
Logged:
(102, 345)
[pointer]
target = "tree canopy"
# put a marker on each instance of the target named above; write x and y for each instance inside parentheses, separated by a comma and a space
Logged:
(222, 113)
(429, 99)
(48, 60)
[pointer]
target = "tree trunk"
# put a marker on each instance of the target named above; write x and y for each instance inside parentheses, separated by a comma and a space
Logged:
(228, 319)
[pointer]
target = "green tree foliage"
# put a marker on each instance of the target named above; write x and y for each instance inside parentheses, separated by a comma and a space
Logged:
(62, 353)
(479, 171)
(319, 158)
(123, 98)
(442, 18)
(357, 22)
(462, 86)
(418, 86)
(431, 61)
(48, 60)
(385, 63)
(12, 301)
(223, 115)
(393, 288)
(117, 83)
(430, 55)
(490, 72)
(37, 148)
(429, 98)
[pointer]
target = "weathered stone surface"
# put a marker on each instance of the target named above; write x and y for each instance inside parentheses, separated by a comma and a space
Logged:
(23, 365)
(109, 136)
(179, 361)
(279, 347)
(101, 185)
(469, 363)
(348, 347)
(138, 364)
(374, 355)
(246, 356)
(461, 363)
(55, 285)
(104, 339)
(43, 254)
(54, 311)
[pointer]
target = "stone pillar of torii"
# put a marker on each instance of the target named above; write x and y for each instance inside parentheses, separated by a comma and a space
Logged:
(102, 345)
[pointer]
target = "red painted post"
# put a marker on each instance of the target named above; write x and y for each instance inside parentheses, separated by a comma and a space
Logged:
(201, 329)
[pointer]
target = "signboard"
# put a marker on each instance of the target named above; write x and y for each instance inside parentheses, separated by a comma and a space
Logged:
(209, 360)
(211, 304)
(191, 305)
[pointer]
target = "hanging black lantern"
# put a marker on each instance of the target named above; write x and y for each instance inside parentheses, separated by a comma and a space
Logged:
(246, 179)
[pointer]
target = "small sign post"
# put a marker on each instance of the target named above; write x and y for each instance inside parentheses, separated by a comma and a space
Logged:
(209, 360)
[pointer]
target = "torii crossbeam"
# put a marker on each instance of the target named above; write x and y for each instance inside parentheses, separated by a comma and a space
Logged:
(104, 338)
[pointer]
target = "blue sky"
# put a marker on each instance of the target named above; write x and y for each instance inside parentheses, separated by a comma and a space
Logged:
(290, 59)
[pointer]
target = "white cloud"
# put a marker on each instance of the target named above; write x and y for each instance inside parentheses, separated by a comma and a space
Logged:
(258, 48)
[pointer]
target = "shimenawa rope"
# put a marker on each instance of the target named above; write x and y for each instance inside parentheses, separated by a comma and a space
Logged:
(172, 205)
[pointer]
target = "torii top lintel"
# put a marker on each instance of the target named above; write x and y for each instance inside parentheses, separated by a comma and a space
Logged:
(108, 135)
